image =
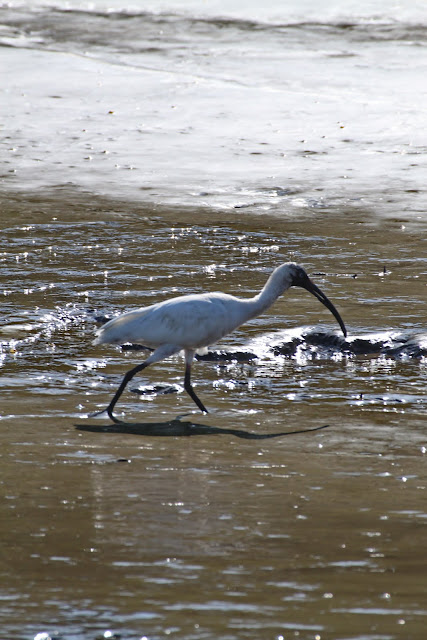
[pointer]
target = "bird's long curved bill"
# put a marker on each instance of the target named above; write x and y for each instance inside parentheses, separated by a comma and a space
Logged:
(318, 293)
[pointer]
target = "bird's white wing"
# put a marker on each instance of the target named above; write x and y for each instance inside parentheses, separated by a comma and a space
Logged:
(121, 329)
(191, 322)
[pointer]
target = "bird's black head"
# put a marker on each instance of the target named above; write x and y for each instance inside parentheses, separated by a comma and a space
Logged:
(298, 275)
(299, 278)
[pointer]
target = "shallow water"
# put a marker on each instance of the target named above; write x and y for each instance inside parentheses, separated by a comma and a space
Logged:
(161, 149)
(175, 528)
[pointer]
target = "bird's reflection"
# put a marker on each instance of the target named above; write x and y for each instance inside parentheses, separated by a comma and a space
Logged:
(176, 427)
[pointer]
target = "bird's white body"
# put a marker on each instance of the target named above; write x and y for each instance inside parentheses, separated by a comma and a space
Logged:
(193, 322)
(190, 322)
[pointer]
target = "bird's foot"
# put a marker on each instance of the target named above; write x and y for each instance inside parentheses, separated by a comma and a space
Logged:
(110, 415)
(96, 413)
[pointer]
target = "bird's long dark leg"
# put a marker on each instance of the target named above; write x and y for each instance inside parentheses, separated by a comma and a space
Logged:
(189, 389)
(162, 352)
(128, 376)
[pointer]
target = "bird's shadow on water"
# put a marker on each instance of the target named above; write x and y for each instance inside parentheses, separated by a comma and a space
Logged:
(177, 428)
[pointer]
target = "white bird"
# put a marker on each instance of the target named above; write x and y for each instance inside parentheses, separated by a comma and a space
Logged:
(193, 322)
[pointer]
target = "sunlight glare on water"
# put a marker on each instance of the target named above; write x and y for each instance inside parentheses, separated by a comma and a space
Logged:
(220, 105)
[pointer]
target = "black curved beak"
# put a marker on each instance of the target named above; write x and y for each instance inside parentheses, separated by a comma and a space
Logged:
(312, 288)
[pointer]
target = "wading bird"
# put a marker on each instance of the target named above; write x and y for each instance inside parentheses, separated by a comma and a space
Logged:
(193, 322)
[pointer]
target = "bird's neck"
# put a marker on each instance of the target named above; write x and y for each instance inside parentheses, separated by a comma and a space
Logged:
(272, 289)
